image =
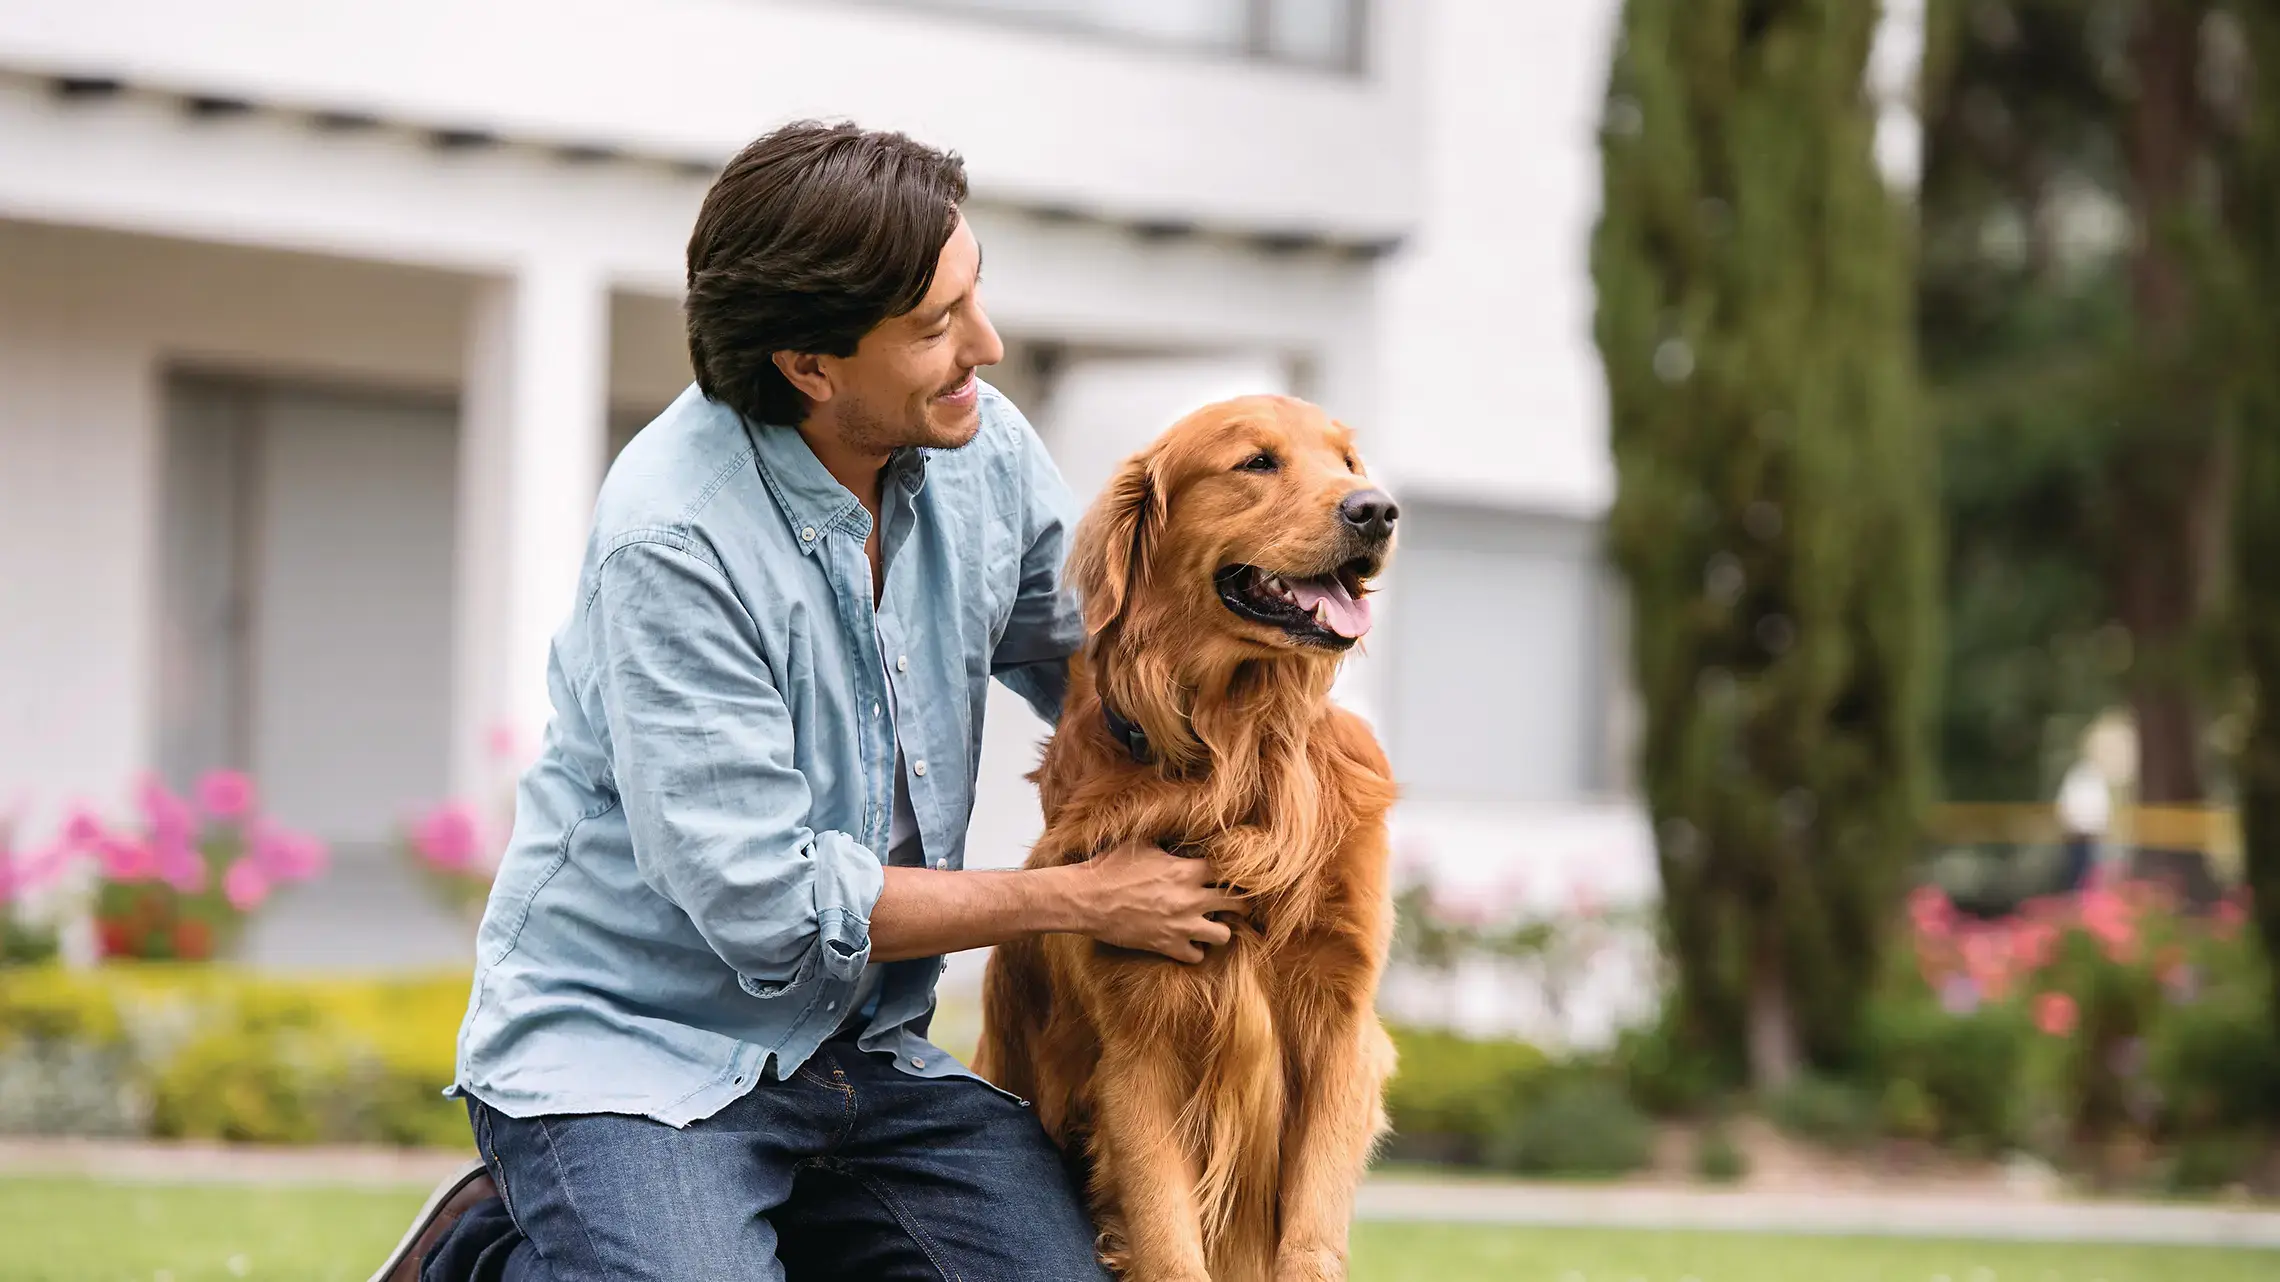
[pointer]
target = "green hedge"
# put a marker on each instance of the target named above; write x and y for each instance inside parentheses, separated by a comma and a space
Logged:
(1507, 1105)
(199, 1051)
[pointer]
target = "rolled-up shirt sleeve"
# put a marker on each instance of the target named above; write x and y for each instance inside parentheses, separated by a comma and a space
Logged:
(1046, 627)
(701, 746)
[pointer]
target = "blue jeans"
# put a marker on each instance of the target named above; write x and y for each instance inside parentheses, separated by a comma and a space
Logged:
(848, 1169)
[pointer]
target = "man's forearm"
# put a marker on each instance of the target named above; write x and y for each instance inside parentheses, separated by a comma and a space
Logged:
(924, 912)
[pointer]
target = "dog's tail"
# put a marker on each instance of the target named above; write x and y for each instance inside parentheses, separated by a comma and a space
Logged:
(1236, 1119)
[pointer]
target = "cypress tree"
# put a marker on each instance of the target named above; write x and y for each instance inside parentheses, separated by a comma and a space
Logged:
(1774, 509)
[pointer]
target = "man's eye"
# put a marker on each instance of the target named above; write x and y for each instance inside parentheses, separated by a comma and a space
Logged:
(1259, 462)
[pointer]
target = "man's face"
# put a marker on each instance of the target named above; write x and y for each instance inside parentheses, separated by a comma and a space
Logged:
(911, 380)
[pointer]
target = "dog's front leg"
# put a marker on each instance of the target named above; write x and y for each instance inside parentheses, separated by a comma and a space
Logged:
(1149, 1179)
(1342, 1073)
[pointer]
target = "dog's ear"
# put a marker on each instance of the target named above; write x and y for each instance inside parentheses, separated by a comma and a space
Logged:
(1111, 553)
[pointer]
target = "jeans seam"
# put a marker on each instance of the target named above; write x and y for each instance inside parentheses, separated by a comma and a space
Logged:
(490, 1150)
(903, 1217)
(569, 1198)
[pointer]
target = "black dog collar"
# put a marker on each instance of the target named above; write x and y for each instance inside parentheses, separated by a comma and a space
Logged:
(1128, 733)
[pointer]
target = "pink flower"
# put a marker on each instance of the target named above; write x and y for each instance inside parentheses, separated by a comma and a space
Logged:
(1931, 912)
(1583, 900)
(447, 837)
(181, 867)
(1987, 958)
(2226, 918)
(125, 859)
(2055, 1014)
(226, 794)
(245, 885)
(166, 813)
(34, 869)
(1471, 911)
(82, 831)
(2032, 944)
(284, 855)
(2109, 919)
(173, 836)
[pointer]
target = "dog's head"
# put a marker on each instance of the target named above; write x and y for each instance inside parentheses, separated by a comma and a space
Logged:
(1250, 524)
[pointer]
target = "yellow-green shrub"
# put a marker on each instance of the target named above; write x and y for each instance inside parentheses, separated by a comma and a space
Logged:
(222, 1053)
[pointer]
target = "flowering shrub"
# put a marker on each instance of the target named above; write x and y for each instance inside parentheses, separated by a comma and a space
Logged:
(180, 883)
(1439, 930)
(453, 854)
(28, 882)
(2081, 1026)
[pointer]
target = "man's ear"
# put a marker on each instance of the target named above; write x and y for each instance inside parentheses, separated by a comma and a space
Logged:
(1110, 558)
(805, 371)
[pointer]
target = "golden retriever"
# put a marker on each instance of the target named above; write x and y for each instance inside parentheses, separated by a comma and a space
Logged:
(1224, 1110)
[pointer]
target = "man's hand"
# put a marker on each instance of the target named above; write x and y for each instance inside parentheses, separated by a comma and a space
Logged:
(1137, 896)
(1129, 896)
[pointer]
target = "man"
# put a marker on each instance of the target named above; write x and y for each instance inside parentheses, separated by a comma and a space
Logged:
(2085, 809)
(696, 1044)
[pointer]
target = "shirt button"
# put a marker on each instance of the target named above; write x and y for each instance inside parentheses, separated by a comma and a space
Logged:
(874, 707)
(831, 1006)
(941, 863)
(902, 663)
(916, 1062)
(918, 768)
(808, 534)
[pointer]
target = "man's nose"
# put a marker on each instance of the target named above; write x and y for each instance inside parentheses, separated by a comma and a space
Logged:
(984, 347)
(1371, 513)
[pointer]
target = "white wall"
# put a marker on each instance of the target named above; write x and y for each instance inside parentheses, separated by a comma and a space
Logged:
(1044, 117)
(78, 484)
(1492, 389)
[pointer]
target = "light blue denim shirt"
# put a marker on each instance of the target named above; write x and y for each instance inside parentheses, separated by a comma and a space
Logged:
(685, 902)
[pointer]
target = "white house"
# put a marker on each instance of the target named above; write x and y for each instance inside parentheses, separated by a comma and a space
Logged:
(320, 320)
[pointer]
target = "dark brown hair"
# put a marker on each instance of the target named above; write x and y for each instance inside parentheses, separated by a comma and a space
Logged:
(813, 235)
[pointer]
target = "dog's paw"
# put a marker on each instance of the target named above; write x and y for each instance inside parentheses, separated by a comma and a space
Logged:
(1310, 1264)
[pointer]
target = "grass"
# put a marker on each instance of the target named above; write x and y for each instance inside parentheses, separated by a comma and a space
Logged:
(66, 1230)
(1441, 1253)
(87, 1231)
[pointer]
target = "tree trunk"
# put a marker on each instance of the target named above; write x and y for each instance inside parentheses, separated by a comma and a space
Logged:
(2164, 475)
(1772, 1025)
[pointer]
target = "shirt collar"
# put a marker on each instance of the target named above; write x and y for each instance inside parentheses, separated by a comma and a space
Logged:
(810, 497)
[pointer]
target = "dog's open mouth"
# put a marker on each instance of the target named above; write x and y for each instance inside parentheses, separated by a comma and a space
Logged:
(1326, 610)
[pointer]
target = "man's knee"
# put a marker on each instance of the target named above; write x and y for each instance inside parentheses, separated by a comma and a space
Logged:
(602, 1196)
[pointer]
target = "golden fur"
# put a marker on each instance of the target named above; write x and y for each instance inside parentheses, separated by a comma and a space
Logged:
(1224, 1110)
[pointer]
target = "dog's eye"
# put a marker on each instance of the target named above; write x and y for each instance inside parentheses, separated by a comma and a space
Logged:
(1351, 465)
(1259, 462)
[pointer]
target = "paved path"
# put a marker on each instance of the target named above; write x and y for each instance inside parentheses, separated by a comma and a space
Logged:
(1847, 1213)
(1387, 1197)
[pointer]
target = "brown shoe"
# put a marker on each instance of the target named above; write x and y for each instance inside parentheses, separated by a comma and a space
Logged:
(451, 1199)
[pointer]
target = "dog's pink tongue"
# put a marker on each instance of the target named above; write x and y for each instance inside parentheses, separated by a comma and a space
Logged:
(1328, 600)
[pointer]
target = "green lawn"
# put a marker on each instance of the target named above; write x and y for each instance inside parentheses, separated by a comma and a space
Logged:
(84, 1231)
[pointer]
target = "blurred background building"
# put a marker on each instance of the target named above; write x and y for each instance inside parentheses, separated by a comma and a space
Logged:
(316, 336)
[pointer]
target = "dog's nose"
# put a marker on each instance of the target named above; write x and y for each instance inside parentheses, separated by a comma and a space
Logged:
(1371, 513)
